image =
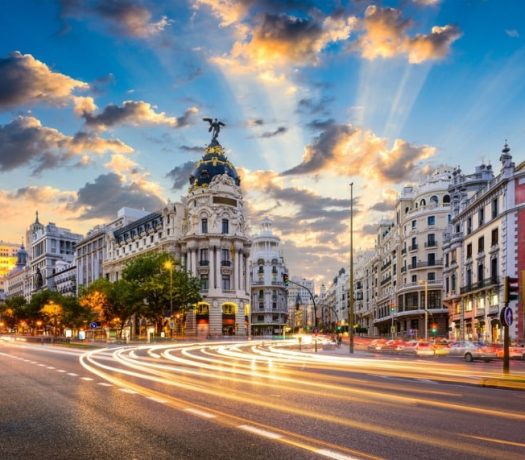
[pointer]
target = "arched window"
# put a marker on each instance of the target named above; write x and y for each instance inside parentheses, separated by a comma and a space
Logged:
(446, 199)
(434, 200)
(261, 269)
(204, 225)
(274, 269)
(225, 226)
(422, 203)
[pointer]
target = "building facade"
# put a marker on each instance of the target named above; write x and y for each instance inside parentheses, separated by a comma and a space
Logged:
(18, 281)
(269, 313)
(484, 243)
(48, 246)
(8, 259)
(302, 317)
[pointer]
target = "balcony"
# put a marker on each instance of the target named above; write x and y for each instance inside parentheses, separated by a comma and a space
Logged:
(386, 265)
(413, 247)
(226, 263)
(204, 263)
(404, 251)
(277, 283)
(386, 280)
(422, 264)
(430, 244)
(486, 283)
(403, 269)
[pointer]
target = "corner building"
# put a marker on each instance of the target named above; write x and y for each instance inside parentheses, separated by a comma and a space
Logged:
(206, 233)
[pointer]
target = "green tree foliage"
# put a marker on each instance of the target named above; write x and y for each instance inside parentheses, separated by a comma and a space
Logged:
(161, 286)
(111, 303)
(13, 311)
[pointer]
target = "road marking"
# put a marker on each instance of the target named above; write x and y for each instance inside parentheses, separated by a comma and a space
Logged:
(264, 433)
(155, 355)
(159, 400)
(61, 370)
(127, 390)
(332, 454)
(72, 374)
(200, 413)
(87, 378)
(104, 384)
(51, 367)
(497, 441)
(427, 381)
(42, 365)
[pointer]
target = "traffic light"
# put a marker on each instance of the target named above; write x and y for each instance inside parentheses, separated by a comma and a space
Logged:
(511, 289)
(434, 328)
(392, 308)
(285, 279)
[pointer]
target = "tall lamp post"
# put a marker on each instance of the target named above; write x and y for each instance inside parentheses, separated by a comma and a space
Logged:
(351, 277)
(168, 265)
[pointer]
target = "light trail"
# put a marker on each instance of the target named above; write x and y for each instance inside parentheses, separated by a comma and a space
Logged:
(222, 362)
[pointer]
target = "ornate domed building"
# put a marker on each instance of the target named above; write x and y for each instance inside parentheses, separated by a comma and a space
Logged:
(215, 247)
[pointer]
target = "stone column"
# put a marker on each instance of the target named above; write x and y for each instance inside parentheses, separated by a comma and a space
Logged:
(211, 269)
(236, 270)
(218, 271)
(194, 261)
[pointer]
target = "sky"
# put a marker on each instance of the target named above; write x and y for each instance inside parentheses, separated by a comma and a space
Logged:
(101, 106)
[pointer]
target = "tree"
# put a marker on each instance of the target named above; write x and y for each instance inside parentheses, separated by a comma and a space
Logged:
(111, 303)
(154, 277)
(13, 311)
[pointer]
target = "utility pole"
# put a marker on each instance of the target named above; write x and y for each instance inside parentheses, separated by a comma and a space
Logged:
(351, 277)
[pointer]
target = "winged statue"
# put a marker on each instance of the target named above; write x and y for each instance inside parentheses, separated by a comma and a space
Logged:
(215, 128)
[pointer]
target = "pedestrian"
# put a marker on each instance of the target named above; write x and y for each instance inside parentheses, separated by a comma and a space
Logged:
(339, 340)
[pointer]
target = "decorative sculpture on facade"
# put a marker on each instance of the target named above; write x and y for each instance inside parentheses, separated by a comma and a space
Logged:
(215, 128)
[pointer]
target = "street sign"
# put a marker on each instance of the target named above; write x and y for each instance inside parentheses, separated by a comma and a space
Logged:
(506, 316)
(93, 325)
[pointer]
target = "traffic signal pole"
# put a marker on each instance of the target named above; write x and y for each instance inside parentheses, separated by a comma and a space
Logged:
(510, 293)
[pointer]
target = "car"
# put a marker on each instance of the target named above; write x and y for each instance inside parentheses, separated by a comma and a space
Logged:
(393, 345)
(424, 349)
(441, 348)
(514, 352)
(408, 347)
(471, 351)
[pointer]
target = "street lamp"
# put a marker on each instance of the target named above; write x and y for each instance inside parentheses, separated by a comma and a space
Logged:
(168, 265)
(426, 306)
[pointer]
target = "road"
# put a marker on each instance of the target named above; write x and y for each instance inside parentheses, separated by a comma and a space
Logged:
(249, 400)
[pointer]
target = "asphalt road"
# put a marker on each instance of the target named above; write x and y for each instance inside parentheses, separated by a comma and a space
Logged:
(249, 401)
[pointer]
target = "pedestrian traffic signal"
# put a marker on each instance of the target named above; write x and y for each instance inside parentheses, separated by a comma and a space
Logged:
(434, 328)
(511, 289)
(285, 279)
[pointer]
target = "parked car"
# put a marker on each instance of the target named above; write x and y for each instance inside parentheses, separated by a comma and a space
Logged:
(408, 347)
(471, 351)
(441, 348)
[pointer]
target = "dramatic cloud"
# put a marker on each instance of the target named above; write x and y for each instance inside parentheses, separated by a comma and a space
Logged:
(131, 112)
(385, 36)
(191, 148)
(125, 17)
(108, 193)
(180, 175)
(44, 194)
(278, 40)
(383, 206)
(25, 141)
(233, 11)
(320, 124)
(254, 122)
(278, 131)
(25, 80)
(349, 151)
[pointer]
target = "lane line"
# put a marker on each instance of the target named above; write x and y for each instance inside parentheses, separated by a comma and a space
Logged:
(72, 374)
(260, 432)
(159, 400)
(200, 413)
(89, 379)
(497, 441)
(127, 390)
(51, 367)
(61, 370)
(332, 454)
(105, 384)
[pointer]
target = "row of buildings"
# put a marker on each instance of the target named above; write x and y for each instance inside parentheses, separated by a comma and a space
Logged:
(241, 277)
(438, 265)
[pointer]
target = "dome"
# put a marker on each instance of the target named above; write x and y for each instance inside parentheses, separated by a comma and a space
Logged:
(213, 163)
